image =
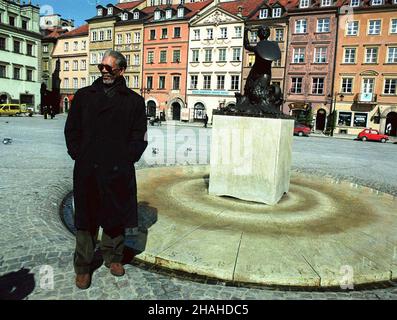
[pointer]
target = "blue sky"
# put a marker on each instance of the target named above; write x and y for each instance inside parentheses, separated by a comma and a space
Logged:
(79, 10)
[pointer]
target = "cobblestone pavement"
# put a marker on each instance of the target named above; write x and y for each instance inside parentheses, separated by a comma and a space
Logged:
(36, 174)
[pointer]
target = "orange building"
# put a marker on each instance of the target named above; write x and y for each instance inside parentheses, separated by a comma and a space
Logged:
(366, 68)
(165, 57)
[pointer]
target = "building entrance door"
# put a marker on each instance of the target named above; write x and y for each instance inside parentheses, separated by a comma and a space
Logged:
(176, 111)
(320, 119)
(391, 123)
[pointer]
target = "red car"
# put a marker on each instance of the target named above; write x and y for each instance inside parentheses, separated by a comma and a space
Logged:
(372, 134)
(301, 130)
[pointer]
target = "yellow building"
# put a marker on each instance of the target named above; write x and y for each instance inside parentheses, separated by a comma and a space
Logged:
(366, 69)
(72, 52)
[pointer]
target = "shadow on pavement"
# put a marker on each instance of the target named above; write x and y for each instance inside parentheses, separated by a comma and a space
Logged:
(16, 285)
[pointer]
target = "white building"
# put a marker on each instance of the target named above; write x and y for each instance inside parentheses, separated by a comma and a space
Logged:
(215, 61)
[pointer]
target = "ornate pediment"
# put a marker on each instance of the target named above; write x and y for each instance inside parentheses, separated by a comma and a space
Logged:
(216, 18)
(369, 73)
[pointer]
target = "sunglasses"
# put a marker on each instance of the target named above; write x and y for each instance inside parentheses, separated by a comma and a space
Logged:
(108, 68)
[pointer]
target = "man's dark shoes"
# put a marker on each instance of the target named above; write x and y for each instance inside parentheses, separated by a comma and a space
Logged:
(83, 281)
(116, 269)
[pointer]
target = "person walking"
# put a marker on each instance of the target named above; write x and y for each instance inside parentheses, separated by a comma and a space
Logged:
(45, 112)
(388, 128)
(205, 120)
(105, 133)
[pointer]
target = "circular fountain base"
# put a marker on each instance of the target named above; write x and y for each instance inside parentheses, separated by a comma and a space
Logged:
(323, 233)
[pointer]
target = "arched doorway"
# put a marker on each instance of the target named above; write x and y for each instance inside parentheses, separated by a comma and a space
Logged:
(66, 104)
(3, 98)
(392, 119)
(320, 119)
(176, 111)
(199, 111)
(151, 108)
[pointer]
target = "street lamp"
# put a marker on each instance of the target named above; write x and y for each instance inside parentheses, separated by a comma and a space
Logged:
(143, 92)
(332, 101)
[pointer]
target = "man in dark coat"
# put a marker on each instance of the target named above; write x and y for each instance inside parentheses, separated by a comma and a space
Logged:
(105, 134)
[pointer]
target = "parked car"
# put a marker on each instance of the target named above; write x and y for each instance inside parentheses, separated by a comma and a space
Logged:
(12, 109)
(301, 130)
(372, 134)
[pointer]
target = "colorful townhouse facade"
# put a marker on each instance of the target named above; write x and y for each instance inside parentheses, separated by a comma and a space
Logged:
(20, 54)
(366, 67)
(165, 67)
(71, 50)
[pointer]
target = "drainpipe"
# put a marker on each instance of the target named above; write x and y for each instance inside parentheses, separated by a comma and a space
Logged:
(333, 96)
(285, 64)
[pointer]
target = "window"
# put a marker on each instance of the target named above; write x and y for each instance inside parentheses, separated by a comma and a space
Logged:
(393, 26)
(263, 13)
(251, 60)
(17, 73)
(168, 14)
(377, 2)
(347, 85)
(124, 16)
(176, 56)
(137, 60)
(301, 26)
(11, 20)
(24, 24)
(29, 49)
(181, 12)
(101, 35)
(323, 25)
(238, 33)
(128, 59)
(100, 56)
(152, 35)
(223, 33)
(3, 43)
(345, 119)
(371, 55)
(136, 15)
(235, 83)
(207, 82)
(368, 85)
(83, 65)
(66, 83)
(193, 82)
(354, 3)
(3, 71)
(157, 15)
(390, 86)
(164, 33)
(195, 54)
(149, 82)
(220, 82)
(162, 82)
(109, 34)
(128, 38)
(299, 55)
(177, 32)
(236, 54)
(75, 83)
(75, 65)
(210, 34)
(196, 34)
(352, 28)
(94, 36)
(45, 47)
(110, 11)
(350, 55)
(83, 82)
(66, 46)
(222, 54)
(360, 119)
(320, 55)
(93, 58)
(392, 55)
(163, 56)
(150, 57)
(176, 80)
(279, 35)
(17, 46)
(119, 39)
(325, 3)
(137, 37)
(374, 27)
(100, 12)
(66, 66)
(45, 65)
(29, 75)
(304, 3)
(93, 78)
(75, 45)
(208, 55)
(296, 86)
(318, 86)
(276, 12)
(135, 81)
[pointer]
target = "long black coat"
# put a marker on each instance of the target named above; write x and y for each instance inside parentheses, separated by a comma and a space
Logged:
(105, 136)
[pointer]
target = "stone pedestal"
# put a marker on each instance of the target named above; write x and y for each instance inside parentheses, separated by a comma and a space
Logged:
(251, 158)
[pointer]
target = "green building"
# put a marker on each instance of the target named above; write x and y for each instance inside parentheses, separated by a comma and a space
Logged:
(20, 53)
